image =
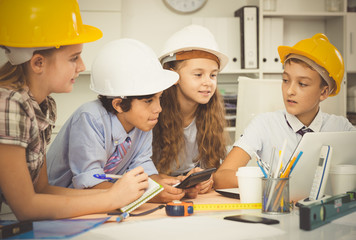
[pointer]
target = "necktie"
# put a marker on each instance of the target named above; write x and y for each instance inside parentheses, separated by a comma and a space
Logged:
(301, 131)
(304, 130)
(118, 155)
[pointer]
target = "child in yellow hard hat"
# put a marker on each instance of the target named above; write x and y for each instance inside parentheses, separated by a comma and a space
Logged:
(112, 135)
(190, 134)
(43, 41)
(313, 71)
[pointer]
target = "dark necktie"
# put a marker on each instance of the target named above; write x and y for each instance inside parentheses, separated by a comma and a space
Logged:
(304, 130)
(301, 131)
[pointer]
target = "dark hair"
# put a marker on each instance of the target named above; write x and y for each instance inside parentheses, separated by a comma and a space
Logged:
(125, 104)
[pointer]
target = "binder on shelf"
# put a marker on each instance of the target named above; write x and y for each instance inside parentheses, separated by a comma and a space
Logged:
(272, 38)
(249, 36)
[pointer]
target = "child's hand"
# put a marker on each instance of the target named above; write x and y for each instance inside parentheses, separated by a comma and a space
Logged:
(169, 193)
(201, 188)
(130, 187)
(193, 191)
(206, 186)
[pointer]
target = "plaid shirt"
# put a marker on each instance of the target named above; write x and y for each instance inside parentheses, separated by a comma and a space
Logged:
(25, 123)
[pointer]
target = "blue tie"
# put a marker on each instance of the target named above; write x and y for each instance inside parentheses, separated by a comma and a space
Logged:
(118, 155)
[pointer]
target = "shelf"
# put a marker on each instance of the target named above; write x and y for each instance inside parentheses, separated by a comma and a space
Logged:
(240, 71)
(304, 15)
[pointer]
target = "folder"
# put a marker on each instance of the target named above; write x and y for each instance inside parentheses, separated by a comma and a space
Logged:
(249, 36)
(272, 38)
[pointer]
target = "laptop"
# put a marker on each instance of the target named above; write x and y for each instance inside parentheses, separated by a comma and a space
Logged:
(343, 152)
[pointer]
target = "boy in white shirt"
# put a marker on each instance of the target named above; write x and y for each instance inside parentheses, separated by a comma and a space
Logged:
(313, 70)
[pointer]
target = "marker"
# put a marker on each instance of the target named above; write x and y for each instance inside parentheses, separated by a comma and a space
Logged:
(107, 176)
(122, 217)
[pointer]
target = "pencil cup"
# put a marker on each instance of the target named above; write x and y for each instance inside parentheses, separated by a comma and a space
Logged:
(275, 195)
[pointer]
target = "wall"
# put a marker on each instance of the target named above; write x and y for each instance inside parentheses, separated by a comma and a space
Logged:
(152, 22)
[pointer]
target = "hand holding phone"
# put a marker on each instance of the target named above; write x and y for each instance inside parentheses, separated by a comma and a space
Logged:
(195, 178)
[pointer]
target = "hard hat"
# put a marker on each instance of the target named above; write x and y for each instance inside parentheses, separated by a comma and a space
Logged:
(321, 51)
(192, 37)
(127, 67)
(43, 23)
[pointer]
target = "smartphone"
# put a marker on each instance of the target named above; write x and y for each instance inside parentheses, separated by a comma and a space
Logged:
(195, 178)
(252, 219)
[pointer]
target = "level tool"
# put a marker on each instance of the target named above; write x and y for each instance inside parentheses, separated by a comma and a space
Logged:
(314, 215)
(226, 206)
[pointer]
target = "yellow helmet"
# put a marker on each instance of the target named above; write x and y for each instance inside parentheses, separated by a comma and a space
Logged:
(43, 23)
(321, 51)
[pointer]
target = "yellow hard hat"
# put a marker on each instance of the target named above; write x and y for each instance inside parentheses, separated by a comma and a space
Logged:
(321, 51)
(43, 23)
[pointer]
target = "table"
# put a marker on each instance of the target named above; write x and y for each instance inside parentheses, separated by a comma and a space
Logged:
(289, 224)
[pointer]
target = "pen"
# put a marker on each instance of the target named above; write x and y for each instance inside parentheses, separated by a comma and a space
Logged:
(296, 161)
(263, 171)
(107, 176)
(122, 217)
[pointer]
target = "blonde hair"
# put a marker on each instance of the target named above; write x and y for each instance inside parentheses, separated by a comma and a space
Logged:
(168, 134)
(14, 76)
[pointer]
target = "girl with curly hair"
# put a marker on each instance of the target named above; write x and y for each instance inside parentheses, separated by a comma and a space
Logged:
(189, 136)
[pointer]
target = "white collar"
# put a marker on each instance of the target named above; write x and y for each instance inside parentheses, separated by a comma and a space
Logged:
(295, 124)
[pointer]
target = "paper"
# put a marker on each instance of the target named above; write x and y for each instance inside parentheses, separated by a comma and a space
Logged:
(207, 228)
(153, 189)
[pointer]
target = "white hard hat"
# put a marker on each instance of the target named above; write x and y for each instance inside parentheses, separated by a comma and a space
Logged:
(127, 67)
(192, 37)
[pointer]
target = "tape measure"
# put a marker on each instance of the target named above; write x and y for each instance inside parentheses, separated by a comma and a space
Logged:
(178, 208)
(226, 206)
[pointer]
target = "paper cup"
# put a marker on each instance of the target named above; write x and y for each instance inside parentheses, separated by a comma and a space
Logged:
(343, 178)
(250, 184)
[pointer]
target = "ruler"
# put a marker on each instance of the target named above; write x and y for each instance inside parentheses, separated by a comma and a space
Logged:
(317, 214)
(226, 206)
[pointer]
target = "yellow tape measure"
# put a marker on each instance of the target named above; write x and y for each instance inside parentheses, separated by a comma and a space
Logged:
(226, 206)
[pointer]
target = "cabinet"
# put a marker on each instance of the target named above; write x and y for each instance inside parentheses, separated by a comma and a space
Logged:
(290, 22)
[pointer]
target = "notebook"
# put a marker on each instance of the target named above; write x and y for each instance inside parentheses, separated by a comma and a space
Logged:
(343, 152)
(153, 189)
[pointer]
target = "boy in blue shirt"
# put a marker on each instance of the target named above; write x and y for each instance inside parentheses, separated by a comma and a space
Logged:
(313, 70)
(112, 135)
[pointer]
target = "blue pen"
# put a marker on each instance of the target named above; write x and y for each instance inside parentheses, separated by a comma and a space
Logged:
(263, 171)
(295, 162)
(122, 217)
(107, 176)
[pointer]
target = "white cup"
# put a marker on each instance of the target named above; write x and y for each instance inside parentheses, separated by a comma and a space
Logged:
(343, 178)
(250, 184)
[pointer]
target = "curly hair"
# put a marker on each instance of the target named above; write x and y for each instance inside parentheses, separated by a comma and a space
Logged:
(168, 134)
